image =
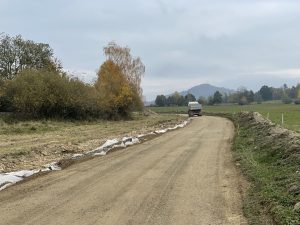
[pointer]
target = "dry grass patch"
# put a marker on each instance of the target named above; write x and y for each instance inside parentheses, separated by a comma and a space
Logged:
(30, 144)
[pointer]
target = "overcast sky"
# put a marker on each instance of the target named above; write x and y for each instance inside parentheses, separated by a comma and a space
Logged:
(182, 43)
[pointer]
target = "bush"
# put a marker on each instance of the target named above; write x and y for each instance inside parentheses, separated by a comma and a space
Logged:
(37, 93)
(5, 104)
(297, 102)
(243, 101)
(286, 100)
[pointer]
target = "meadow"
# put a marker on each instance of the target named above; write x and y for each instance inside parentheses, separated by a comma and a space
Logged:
(24, 135)
(270, 110)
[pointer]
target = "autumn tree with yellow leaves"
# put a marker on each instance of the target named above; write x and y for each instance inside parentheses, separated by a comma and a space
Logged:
(119, 82)
(132, 68)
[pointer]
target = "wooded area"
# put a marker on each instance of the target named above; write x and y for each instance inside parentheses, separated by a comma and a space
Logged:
(34, 84)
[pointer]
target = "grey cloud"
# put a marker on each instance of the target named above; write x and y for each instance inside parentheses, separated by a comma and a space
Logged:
(181, 42)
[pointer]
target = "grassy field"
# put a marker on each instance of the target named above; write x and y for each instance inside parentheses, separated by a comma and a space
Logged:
(22, 135)
(30, 144)
(273, 111)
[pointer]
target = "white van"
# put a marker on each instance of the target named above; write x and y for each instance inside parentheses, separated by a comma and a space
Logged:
(195, 108)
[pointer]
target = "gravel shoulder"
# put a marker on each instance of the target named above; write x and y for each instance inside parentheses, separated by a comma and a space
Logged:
(182, 177)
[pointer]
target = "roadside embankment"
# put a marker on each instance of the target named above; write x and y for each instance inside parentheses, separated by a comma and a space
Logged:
(269, 156)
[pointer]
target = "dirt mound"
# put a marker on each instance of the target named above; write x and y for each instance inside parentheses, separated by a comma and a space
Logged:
(272, 135)
(276, 129)
(270, 157)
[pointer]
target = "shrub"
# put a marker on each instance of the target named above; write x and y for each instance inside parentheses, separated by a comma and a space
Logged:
(286, 100)
(243, 101)
(297, 101)
(37, 93)
(5, 103)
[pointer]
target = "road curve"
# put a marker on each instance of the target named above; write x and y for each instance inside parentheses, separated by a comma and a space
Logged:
(184, 177)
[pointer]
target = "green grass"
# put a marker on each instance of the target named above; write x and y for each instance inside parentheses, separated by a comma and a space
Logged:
(272, 110)
(271, 167)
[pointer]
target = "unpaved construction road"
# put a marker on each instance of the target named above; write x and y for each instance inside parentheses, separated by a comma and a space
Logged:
(184, 177)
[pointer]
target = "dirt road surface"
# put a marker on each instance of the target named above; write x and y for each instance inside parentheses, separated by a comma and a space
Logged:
(185, 177)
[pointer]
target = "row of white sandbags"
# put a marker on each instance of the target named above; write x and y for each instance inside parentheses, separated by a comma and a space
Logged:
(8, 179)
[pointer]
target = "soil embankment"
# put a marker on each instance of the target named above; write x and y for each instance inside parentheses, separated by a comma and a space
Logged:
(270, 156)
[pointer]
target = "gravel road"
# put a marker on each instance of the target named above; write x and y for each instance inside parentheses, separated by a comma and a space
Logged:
(184, 177)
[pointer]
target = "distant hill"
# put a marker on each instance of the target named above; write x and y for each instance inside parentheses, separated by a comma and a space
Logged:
(205, 90)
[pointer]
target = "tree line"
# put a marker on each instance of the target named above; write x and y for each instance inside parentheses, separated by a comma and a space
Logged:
(174, 100)
(33, 83)
(17, 54)
(242, 97)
